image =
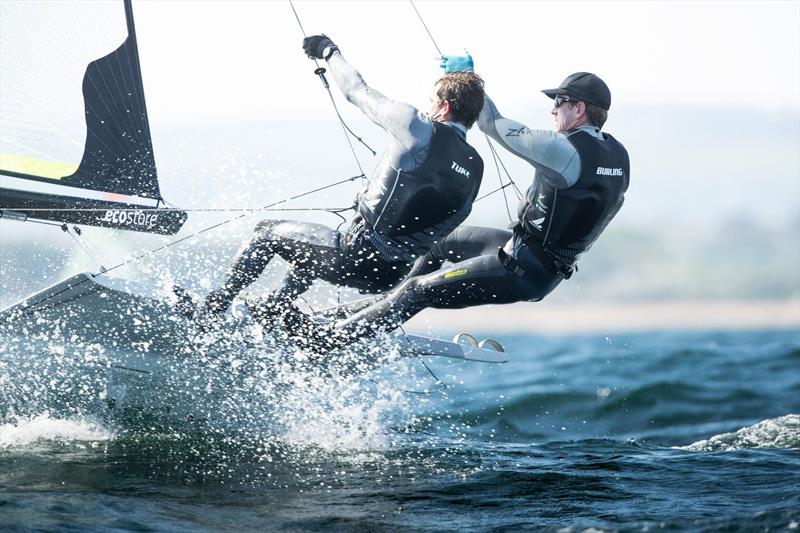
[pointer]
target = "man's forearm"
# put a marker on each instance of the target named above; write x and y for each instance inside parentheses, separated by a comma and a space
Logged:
(347, 78)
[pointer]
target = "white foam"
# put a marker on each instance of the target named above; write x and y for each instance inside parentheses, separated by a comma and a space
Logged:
(42, 427)
(338, 413)
(781, 432)
(337, 421)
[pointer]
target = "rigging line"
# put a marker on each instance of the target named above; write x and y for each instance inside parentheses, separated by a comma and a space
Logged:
(43, 223)
(508, 174)
(442, 385)
(32, 307)
(176, 209)
(404, 391)
(219, 224)
(338, 214)
(488, 141)
(426, 27)
(500, 178)
(83, 247)
(332, 210)
(79, 233)
(497, 159)
(320, 71)
(302, 29)
(491, 193)
(346, 127)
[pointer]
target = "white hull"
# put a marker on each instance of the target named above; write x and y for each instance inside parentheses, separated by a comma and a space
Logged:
(103, 345)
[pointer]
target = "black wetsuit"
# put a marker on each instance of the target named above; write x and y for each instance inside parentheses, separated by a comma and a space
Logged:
(579, 186)
(422, 189)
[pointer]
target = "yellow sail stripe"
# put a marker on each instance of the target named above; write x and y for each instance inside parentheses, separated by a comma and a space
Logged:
(36, 167)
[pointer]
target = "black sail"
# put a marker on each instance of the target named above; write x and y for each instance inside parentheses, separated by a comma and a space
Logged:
(117, 156)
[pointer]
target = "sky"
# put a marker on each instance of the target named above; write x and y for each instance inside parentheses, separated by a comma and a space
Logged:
(706, 95)
(238, 59)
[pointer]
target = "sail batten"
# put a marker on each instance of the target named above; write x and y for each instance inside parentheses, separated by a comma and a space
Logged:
(24, 182)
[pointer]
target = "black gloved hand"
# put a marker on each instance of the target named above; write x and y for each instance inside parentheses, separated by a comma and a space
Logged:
(315, 45)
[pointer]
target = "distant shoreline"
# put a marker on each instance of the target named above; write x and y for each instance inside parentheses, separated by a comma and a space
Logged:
(561, 318)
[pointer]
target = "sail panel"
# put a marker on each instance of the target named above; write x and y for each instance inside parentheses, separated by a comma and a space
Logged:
(29, 166)
(45, 48)
(72, 93)
(73, 117)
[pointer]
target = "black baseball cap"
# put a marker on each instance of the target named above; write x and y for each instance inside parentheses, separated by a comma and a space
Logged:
(584, 86)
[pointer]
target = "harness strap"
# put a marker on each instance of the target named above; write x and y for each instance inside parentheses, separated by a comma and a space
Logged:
(511, 264)
(551, 265)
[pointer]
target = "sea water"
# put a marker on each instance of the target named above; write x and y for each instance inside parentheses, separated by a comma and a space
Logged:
(662, 431)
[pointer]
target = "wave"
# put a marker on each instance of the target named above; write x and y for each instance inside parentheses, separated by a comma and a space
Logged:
(25, 431)
(252, 392)
(781, 432)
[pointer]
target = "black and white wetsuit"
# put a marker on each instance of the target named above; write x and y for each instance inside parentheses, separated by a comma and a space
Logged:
(579, 184)
(422, 188)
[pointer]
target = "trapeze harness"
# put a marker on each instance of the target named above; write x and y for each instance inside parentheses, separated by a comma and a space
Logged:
(558, 224)
(403, 213)
(399, 216)
(554, 227)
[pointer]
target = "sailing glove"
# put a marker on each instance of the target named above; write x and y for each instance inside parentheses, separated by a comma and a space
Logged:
(457, 63)
(316, 45)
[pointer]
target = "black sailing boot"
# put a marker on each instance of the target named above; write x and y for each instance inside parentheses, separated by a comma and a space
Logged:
(266, 310)
(311, 333)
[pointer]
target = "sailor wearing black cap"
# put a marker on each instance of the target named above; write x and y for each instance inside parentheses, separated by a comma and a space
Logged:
(581, 175)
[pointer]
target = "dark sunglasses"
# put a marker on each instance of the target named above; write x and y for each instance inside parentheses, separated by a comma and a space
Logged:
(560, 100)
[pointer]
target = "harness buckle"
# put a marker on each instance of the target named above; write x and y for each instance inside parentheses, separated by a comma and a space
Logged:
(553, 265)
(563, 270)
(511, 264)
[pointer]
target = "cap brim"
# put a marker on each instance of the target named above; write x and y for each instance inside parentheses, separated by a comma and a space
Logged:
(552, 93)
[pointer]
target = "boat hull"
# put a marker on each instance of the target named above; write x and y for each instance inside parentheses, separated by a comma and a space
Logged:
(117, 348)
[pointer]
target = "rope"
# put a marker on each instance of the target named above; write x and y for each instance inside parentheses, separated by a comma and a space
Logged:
(320, 71)
(134, 259)
(426, 27)
(495, 155)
